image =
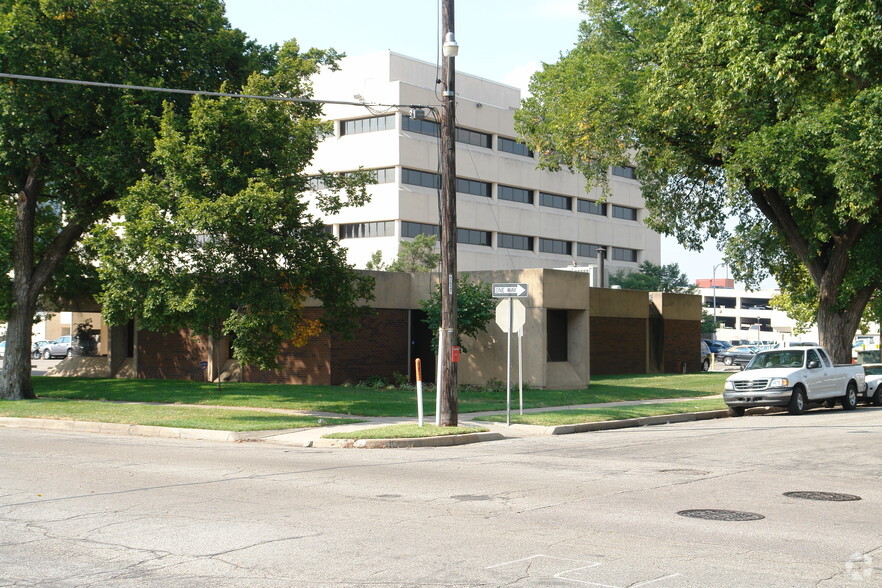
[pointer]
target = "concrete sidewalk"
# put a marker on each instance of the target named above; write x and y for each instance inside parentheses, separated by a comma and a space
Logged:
(313, 436)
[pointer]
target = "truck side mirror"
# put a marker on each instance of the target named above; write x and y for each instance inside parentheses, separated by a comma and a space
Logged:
(813, 364)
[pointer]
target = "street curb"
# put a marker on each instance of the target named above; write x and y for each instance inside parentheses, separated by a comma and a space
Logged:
(638, 422)
(439, 441)
(122, 429)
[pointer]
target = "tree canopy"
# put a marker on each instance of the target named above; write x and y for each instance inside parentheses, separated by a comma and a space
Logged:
(70, 152)
(417, 255)
(653, 278)
(769, 111)
(475, 308)
(218, 238)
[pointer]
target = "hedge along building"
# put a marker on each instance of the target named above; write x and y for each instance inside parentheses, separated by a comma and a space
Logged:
(571, 331)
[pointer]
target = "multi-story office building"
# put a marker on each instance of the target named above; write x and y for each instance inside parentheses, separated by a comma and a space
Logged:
(510, 215)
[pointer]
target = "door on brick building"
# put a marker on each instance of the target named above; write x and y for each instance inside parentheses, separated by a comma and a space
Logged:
(421, 346)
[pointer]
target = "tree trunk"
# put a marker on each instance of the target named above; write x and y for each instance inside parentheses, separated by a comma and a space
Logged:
(28, 280)
(836, 328)
(16, 382)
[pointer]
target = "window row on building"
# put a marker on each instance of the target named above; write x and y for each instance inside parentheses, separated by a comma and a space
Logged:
(485, 238)
(523, 195)
(432, 129)
(424, 179)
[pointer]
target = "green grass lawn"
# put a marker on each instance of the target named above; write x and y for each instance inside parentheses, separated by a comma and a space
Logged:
(220, 419)
(369, 401)
(613, 413)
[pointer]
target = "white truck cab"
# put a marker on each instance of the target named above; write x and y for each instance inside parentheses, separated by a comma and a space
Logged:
(794, 377)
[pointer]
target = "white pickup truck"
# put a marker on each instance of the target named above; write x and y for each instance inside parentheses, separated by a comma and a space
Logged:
(794, 377)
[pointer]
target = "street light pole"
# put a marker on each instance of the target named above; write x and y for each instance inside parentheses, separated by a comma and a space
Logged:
(447, 337)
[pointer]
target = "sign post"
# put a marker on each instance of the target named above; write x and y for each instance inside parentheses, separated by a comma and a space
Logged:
(512, 323)
(419, 387)
(521, 367)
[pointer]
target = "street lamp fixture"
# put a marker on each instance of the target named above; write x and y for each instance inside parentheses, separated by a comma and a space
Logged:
(450, 48)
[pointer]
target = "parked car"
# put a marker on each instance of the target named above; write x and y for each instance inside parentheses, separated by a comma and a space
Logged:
(738, 355)
(794, 377)
(715, 345)
(873, 373)
(37, 348)
(61, 347)
(705, 357)
(2, 348)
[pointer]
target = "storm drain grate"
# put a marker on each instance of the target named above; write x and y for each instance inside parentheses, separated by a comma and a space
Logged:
(712, 514)
(828, 496)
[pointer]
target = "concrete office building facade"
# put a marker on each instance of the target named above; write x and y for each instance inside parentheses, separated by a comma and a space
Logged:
(510, 214)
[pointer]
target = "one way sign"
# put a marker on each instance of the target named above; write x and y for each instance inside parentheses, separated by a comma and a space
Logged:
(509, 290)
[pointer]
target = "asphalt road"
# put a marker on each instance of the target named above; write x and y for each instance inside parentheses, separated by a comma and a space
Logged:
(591, 509)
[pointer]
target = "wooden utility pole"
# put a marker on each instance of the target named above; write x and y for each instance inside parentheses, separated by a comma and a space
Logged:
(449, 408)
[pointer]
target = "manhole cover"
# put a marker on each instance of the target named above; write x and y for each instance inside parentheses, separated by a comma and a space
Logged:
(467, 497)
(829, 496)
(712, 514)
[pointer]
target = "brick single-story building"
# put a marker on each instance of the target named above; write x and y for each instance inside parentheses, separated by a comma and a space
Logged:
(571, 331)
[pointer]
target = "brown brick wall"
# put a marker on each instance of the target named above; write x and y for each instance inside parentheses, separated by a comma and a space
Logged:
(681, 344)
(309, 364)
(379, 348)
(618, 345)
(172, 356)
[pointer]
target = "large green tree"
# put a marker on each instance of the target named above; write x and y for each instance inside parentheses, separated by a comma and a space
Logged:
(766, 110)
(70, 152)
(219, 239)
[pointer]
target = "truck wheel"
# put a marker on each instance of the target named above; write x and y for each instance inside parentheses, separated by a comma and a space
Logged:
(797, 401)
(727, 360)
(736, 411)
(876, 399)
(849, 401)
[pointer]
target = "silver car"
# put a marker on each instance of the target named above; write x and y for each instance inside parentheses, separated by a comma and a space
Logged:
(61, 347)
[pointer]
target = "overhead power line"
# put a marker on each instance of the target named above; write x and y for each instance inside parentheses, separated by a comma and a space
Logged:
(200, 92)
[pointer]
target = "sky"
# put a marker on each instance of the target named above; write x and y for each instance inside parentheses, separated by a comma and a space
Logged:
(501, 40)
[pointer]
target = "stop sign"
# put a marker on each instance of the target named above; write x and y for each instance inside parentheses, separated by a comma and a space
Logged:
(518, 315)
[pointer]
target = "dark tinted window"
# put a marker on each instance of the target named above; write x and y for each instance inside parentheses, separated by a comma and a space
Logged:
(473, 237)
(507, 241)
(624, 172)
(555, 201)
(475, 187)
(367, 125)
(555, 246)
(473, 137)
(624, 212)
(514, 194)
(420, 178)
(591, 207)
(409, 229)
(512, 146)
